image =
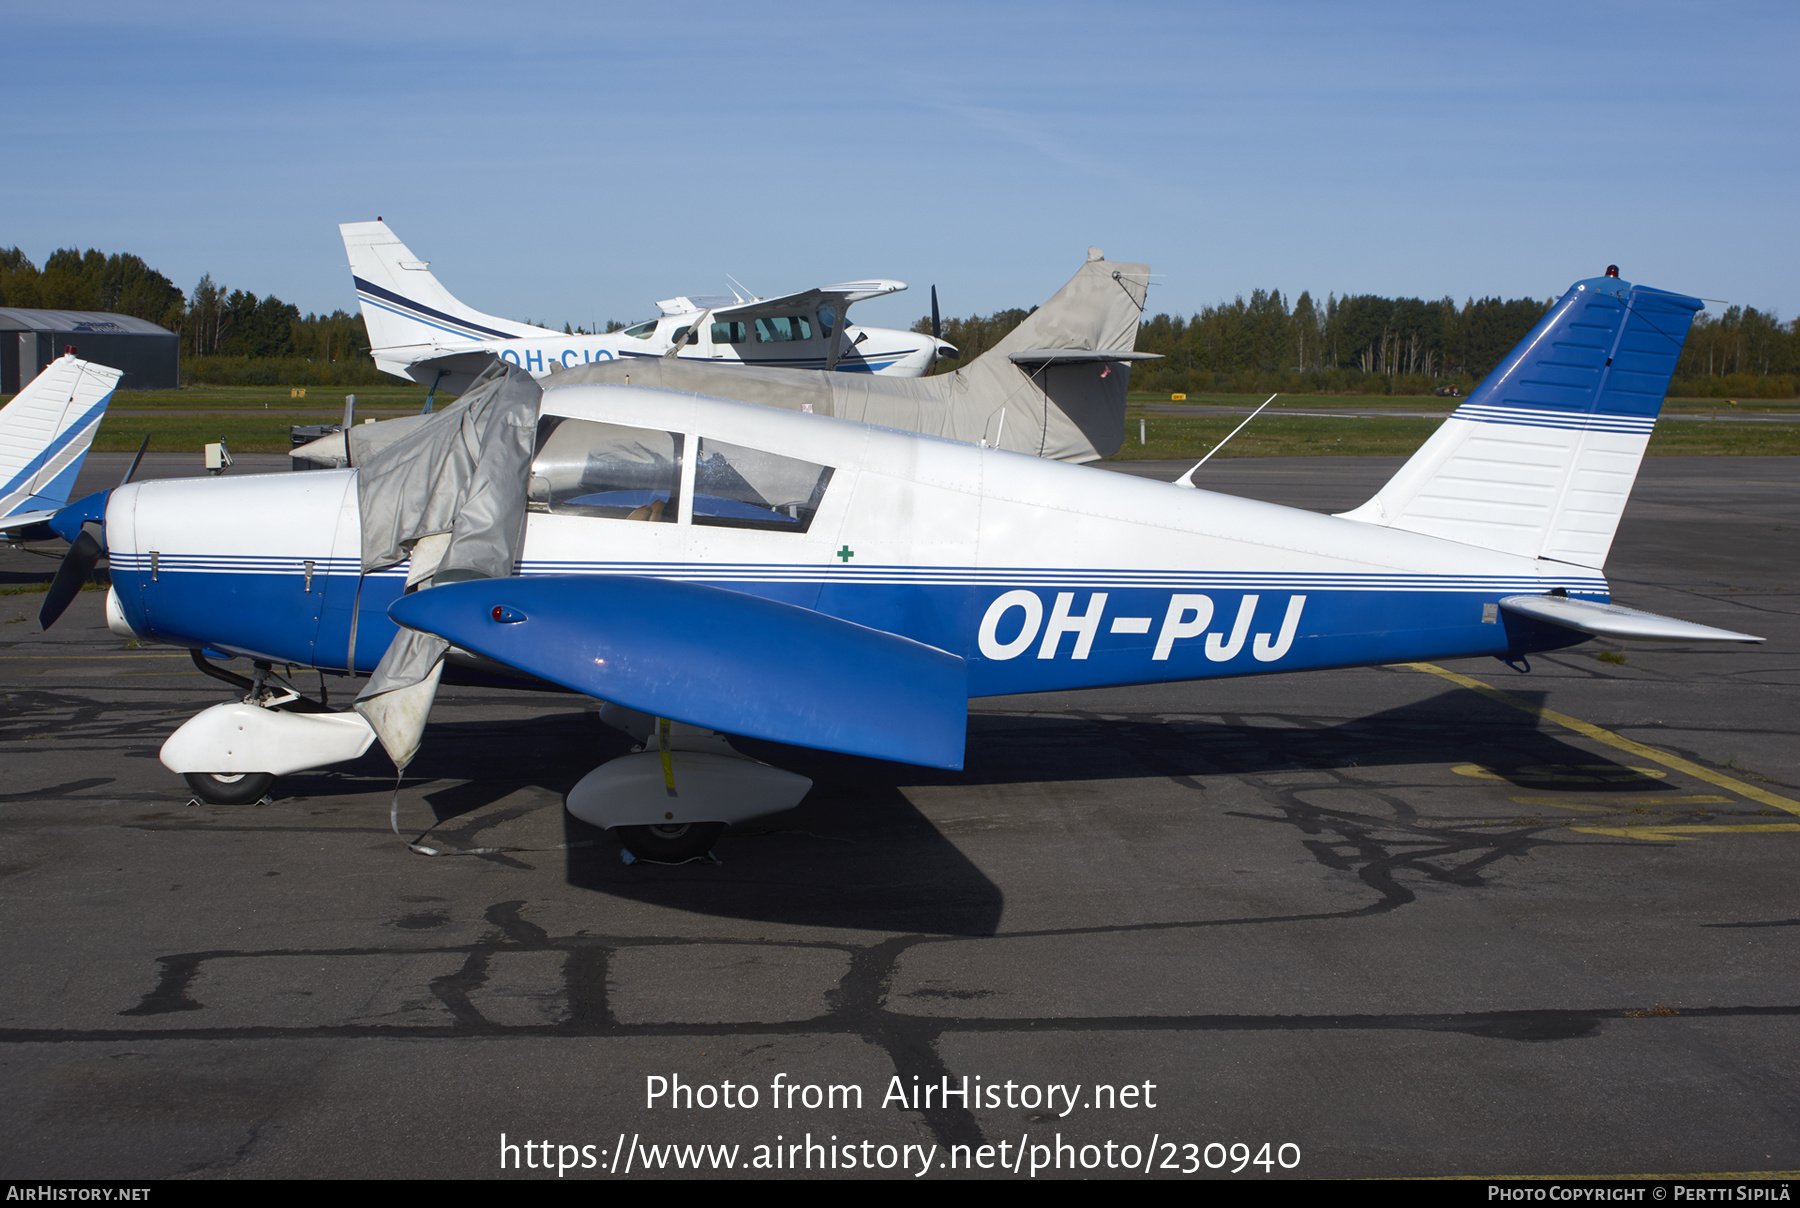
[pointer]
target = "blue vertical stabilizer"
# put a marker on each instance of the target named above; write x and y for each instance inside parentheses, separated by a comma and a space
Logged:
(1540, 460)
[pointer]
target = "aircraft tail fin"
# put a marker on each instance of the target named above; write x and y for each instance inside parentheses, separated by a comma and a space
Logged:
(45, 432)
(1540, 459)
(1075, 350)
(404, 306)
(1097, 311)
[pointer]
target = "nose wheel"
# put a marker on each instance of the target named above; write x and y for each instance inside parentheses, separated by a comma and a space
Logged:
(670, 844)
(230, 788)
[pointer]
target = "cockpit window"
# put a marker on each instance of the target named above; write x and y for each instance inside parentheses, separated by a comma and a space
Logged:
(643, 331)
(827, 319)
(735, 487)
(584, 468)
(730, 333)
(783, 328)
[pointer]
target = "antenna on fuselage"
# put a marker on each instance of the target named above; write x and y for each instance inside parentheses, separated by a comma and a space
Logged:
(1187, 480)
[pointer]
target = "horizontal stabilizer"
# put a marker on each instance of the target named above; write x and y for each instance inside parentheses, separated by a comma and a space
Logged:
(714, 658)
(1616, 621)
(29, 526)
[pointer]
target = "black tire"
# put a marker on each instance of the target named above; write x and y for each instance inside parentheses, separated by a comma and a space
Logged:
(670, 844)
(230, 788)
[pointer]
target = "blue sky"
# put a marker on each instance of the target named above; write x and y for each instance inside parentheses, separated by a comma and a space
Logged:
(574, 162)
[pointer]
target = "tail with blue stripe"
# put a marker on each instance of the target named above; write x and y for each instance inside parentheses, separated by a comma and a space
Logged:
(45, 432)
(1541, 458)
(404, 306)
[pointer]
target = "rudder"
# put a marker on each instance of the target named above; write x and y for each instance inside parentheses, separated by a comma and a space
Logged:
(403, 305)
(1541, 458)
(46, 429)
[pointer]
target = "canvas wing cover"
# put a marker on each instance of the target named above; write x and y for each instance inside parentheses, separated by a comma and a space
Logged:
(1054, 387)
(448, 492)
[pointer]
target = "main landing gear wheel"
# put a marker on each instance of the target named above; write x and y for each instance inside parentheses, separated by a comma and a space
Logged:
(230, 788)
(671, 844)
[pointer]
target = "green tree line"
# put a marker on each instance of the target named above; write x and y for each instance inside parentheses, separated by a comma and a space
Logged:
(1357, 343)
(228, 336)
(1365, 343)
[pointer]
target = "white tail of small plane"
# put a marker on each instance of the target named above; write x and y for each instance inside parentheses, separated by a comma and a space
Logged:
(45, 432)
(1541, 458)
(404, 306)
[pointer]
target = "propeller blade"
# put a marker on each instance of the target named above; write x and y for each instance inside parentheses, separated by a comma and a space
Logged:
(76, 566)
(937, 328)
(136, 460)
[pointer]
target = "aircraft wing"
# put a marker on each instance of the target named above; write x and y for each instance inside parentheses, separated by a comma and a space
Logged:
(807, 302)
(715, 658)
(1076, 356)
(1617, 621)
(450, 366)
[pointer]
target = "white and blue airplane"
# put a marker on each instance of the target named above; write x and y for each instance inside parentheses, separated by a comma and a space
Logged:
(709, 567)
(45, 432)
(418, 330)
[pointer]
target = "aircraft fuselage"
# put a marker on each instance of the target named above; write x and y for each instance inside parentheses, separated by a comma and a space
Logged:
(1041, 575)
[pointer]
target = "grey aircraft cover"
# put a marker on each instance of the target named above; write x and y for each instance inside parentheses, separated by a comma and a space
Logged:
(446, 490)
(1053, 387)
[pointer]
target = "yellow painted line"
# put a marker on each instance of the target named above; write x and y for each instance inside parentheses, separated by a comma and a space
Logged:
(1617, 803)
(668, 762)
(1595, 773)
(1617, 741)
(1672, 833)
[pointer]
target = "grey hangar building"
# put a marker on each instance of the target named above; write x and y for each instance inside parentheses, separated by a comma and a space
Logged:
(149, 354)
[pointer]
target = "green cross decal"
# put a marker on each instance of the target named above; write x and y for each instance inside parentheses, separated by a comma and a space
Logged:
(846, 553)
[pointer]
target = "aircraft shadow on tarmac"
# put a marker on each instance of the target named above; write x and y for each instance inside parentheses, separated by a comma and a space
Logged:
(857, 853)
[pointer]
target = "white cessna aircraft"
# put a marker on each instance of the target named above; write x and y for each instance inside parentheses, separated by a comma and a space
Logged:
(712, 567)
(418, 330)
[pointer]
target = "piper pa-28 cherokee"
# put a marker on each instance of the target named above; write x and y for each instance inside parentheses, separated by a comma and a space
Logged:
(711, 568)
(420, 331)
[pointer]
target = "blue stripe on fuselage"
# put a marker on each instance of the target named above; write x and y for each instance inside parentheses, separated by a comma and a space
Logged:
(270, 616)
(414, 310)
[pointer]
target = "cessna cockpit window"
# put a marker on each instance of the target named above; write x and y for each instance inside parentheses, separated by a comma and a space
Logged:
(730, 333)
(643, 331)
(735, 487)
(583, 468)
(784, 328)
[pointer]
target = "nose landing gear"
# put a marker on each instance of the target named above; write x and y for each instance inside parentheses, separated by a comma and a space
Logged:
(229, 788)
(670, 844)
